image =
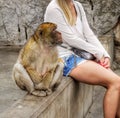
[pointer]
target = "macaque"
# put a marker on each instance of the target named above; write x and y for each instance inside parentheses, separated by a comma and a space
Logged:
(38, 68)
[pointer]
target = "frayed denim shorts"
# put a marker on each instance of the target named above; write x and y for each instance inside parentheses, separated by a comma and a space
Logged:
(71, 62)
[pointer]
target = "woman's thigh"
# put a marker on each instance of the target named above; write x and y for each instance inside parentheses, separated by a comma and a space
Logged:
(92, 73)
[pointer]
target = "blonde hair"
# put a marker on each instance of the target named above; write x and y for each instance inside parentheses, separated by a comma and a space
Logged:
(64, 6)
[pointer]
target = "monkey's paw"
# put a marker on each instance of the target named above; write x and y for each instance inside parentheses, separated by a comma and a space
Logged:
(48, 91)
(39, 93)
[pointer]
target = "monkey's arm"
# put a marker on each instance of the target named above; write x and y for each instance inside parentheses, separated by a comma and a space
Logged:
(57, 77)
(34, 75)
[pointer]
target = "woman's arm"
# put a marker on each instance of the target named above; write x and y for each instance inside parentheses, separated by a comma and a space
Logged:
(55, 15)
(88, 33)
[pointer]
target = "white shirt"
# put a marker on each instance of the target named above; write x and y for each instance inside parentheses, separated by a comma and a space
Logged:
(80, 35)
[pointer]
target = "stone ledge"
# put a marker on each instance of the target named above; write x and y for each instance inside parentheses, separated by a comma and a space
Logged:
(70, 100)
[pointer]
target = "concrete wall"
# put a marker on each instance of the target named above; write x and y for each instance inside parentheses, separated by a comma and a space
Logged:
(70, 100)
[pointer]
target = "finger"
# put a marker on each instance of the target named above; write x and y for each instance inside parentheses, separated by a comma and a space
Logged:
(105, 62)
(107, 65)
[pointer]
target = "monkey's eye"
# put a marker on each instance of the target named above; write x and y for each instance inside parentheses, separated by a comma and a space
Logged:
(54, 28)
(41, 33)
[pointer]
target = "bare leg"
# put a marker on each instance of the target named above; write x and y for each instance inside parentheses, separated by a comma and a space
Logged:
(92, 73)
(118, 110)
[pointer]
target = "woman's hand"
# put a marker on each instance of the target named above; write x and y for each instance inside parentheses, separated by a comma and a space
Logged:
(105, 62)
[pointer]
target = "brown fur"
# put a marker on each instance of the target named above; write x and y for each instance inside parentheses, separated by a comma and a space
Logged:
(37, 69)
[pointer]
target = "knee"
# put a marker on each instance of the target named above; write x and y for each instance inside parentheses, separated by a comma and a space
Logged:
(116, 84)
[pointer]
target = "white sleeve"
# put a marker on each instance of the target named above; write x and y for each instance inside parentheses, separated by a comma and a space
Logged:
(55, 15)
(88, 33)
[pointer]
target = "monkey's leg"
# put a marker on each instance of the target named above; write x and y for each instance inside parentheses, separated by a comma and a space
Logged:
(45, 83)
(22, 78)
(24, 81)
(57, 77)
(36, 78)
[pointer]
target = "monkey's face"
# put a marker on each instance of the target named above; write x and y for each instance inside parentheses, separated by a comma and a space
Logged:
(48, 35)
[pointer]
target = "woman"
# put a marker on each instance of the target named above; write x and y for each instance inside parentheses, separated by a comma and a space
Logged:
(71, 20)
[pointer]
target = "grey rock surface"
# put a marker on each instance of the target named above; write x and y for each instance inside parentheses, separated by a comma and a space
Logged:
(19, 18)
(102, 14)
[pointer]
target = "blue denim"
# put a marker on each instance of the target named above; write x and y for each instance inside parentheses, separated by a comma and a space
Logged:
(71, 62)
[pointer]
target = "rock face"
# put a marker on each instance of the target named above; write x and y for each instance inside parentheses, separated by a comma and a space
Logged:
(19, 18)
(117, 33)
(102, 14)
(117, 43)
